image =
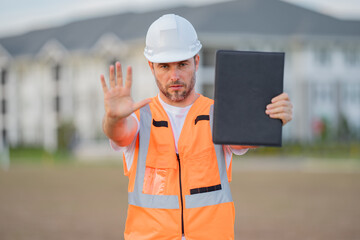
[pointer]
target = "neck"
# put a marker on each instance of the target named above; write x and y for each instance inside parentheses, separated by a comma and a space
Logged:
(190, 99)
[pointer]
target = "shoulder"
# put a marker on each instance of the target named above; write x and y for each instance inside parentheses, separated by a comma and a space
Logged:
(205, 100)
(201, 106)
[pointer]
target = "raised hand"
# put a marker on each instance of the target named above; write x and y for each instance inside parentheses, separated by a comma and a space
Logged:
(117, 98)
(281, 108)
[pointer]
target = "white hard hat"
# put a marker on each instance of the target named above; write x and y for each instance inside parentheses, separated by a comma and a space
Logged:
(171, 38)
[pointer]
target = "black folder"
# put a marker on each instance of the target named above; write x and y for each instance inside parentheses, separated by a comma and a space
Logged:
(245, 82)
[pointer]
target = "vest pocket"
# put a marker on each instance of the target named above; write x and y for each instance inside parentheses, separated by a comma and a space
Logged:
(203, 172)
(205, 189)
(160, 173)
(155, 181)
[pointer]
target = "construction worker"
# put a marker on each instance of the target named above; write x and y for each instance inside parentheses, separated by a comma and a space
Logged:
(178, 179)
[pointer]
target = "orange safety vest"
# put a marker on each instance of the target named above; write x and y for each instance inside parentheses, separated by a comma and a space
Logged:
(174, 194)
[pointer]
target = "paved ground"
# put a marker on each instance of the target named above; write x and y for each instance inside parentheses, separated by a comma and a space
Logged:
(89, 202)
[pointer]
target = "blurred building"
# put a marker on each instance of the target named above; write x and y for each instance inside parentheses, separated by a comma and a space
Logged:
(50, 78)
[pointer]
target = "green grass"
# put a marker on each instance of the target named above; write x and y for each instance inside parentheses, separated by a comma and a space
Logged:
(326, 151)
(316, 150)
(39, 156)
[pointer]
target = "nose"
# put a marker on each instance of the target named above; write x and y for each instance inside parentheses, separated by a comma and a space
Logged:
(174, 74)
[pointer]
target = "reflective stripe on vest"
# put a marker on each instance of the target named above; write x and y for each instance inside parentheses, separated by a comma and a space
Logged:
(140, 199)
(136, 197)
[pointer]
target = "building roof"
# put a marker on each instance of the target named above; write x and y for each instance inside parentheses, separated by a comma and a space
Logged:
(261, 17)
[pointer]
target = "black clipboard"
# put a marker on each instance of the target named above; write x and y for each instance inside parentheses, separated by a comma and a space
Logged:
(245, 82)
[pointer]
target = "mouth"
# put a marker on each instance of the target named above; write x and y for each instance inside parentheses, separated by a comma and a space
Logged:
(176, 87)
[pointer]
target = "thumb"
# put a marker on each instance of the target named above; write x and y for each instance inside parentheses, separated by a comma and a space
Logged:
(141, 104)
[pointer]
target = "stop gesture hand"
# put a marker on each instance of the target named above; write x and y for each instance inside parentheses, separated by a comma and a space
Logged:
(117, 98)
(117, 124)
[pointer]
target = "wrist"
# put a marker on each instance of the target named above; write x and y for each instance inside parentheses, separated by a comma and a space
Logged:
(111, 123)
(115, 121)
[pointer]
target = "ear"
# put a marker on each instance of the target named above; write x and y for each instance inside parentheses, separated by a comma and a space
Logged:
(151, 65)
(197, 60)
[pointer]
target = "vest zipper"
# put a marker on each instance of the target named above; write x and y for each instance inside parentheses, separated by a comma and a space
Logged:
(181, 196)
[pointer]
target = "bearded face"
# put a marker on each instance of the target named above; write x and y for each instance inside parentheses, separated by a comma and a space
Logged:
(177, 90)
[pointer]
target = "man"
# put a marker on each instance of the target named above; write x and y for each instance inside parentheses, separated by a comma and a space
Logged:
(178, 179)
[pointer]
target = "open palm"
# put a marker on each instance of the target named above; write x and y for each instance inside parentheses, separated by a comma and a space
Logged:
(117, 98)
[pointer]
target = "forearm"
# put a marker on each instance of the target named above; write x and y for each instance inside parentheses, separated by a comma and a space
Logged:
(121, 131)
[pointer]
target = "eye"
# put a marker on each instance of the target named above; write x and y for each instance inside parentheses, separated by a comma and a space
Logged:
(183, 64)
(163, 66)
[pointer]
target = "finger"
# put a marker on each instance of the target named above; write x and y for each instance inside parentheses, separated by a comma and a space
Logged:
(103, 83)
(112, 76)
(128, 81)
(280, 109)
(274, 107)
(283, 96)
(284, 117)
(141, 104)
(118, 74)
(280, 103)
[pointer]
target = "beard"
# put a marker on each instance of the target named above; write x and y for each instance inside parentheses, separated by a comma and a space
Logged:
(177, 95)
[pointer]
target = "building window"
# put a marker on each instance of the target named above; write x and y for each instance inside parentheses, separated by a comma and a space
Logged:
(353, 94)
(323, 94)
(3, 76)
(3, 106)
(351, 56)
(316, 93)
(345, 93)
(323, 56)
(57, 72)
(57, 104)
(4, 136)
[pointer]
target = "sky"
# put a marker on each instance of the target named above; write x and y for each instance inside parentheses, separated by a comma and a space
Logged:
(21, 16)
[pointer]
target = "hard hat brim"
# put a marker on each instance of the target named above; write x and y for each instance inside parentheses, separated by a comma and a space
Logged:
(172, 56)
